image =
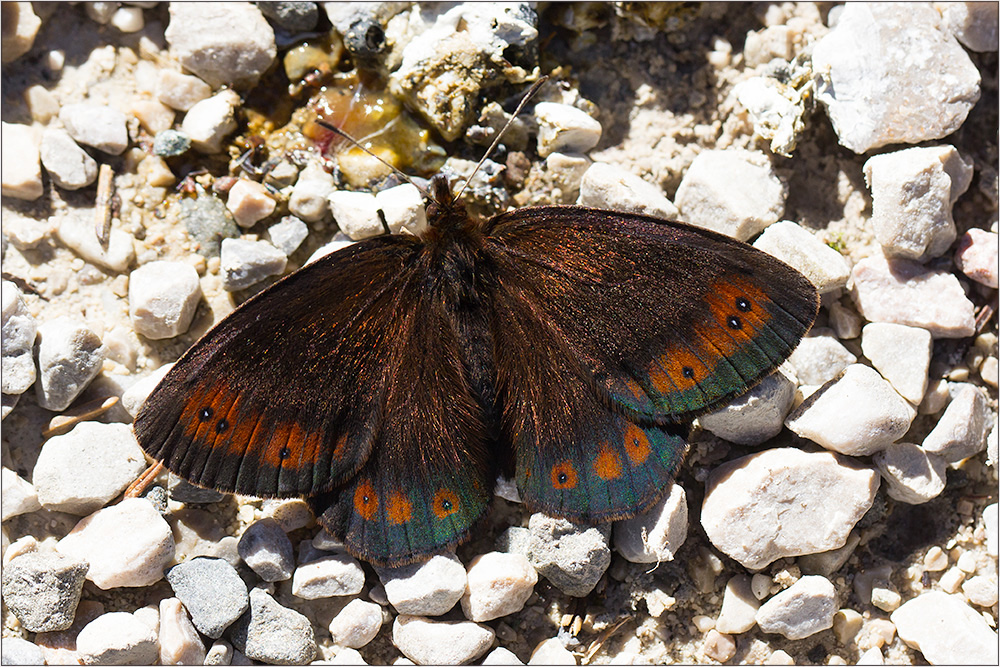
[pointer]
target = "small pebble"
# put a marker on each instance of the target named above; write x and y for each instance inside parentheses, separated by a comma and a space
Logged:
(219, 653)
(81, 471)
(245, 263)
(117, 638)
(739, 607)
(171, 143)
(846, 625)
(976, 256)
(961, 431)
(564, 128)
(746, 497)
(136, 394)
(272, 633)
(22, 168)
(756, 416)
(43, 104)
(42, 589)
(163, 297)
(901, 354)
(403, 208)
(967, 561)
(946, 630)
(181, 91)
(96, 125)
(912, 474)
(128, 19)
(573, 557)
(21, 27)
(990, 521)
(208, 222)
(844, 321)
(209, 121)
(981, 590)
(719, 646)
(127, 544)
(18, 341)
(17, 651)
(760, 584)
(498, 584)
(551, 652)
(350, 656)
(100, 11)
(179, 641)
(70, 167)
(288, 234)
(230, 45)
(18, 495)
(211, 591)
(290, 513)
(935, 560)
(308, 200)
(501, 656)
(655, 535)
(338, 574)
(951, 580)
(265, 547)
(779, 657)
(825, 268)
(428, 642)
(356, 624)
(828, 562)
(801, 610)
(249, 202)
(77, 234)
(428, 588)
(819, 357)
(356, 213)
(154, 116)
(906, 292)
(613, 188)
(291, 16)
(886, 599)
(734, 192)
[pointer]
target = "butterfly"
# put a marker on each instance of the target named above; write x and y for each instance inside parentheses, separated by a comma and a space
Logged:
(391, 382)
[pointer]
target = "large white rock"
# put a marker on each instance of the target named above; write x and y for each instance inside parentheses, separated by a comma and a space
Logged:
(756, 416)
(564, 128)
(611, 187)
(819, 357)
(428, 642)
(901, 354)
(162, 298)
(69, 356)
(96, 125)
(209, 121)
(801, 610)
(69, 165)
(825, 268)
(499, 584)
(77, 233)
(356, 213)
(776, 503)
(961, 431)
(913, 475)
(429, 588)
(19, 330)
(946, 630)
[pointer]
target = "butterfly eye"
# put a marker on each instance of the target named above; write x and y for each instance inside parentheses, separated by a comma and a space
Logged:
(445, 503)
(205, 414)
(221, 426)
(734, 322)
(563, 475)
(742, 305)
(285, 452)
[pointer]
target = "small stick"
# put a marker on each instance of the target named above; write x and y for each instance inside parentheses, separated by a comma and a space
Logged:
(102, 205)
(65, 422)
(139, 486)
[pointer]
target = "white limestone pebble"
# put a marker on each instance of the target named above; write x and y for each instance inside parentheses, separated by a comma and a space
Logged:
(17, 365)
(249, 202)
(756, 416)
(501, 656)
(265, 547)
(70, 167)
(228, 44)
(428, 642)
(610, 187)
(776, 503)
(551, 652)
(128, 19)
(889, 75)
(572, 556)
(309, 196)
(801, 610)
(981, 591)
(912, 474)
(734, 191)
(117, 638)
(906, 292)
(976, 256)
(858, 413)
(162, 298)
(428, 588)
(356, 213)
(69, 356)
(127, 545)
(990, 521)
(209, 121)
(337, 574)
(21, 170)
(403, 209)
(961, 431)
(356, 624)
(901, 354)
(819, 357)
(245, 263)
(946, 630)
(42, 589)
(290, 513)
(719, 646)
(655, 535)
(974, 24)
(181, 91)
(17, 495)
(179, 641)
(80, 471)
(913, 191)
(564, 128)
(825, 268)
(137, 393)
(498, 584)
(739, 607)
(21, 26)
(96, 125)
(872, 656)
(78, 235)
(17, 651)
(288, 234)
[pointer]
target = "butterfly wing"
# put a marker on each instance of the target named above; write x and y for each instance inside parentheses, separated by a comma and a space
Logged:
(634, 324)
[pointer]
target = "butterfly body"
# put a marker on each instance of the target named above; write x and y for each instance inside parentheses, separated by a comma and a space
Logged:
(391, 382)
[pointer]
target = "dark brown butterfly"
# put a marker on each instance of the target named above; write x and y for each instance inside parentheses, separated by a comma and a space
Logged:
(392, 381)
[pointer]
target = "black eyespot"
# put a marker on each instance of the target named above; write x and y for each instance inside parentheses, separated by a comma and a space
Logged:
(562, 478)
(205, 414)
(687, 372)
(743, 304)
(446, 504)
(734, 322)
(221, 426)
(285, 453)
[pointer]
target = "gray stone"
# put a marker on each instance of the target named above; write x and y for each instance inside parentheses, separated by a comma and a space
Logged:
(571, 556)
(17, 651)
(171, 143)
(184, 491)
(428, 642)
(265, 547)
(288, 234)
(80, 471)
(22, 169)
(70, 167)
(117, 638)
(272, 633)
(756, 416)
(803, 609)
(656, 535)
(901, 354)
(212, 591)
(613, 188)
(961, 431)
(801, 249)
(428, 588)
(974, 24)
(96, 125)
(163, 297)
(291, 16)
(17, 366)
(42, 589)
(245, 263)
(912, 474)
(945, 630)
(208, 222)
(69, 356)
(227, 44)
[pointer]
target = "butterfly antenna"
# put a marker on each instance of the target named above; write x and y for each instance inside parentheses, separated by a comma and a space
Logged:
(336, 130)
(496, 142)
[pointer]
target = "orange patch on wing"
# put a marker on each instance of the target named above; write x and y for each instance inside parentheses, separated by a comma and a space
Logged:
(563, 475)
(637, 445)
(659, 378)
(607, 465)
(340, 449)
(191, 415)
(281, 437)
(365, 500)
(636, 390)
(445, 503)
(684, 368)
(398, 510)
(734, 287)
